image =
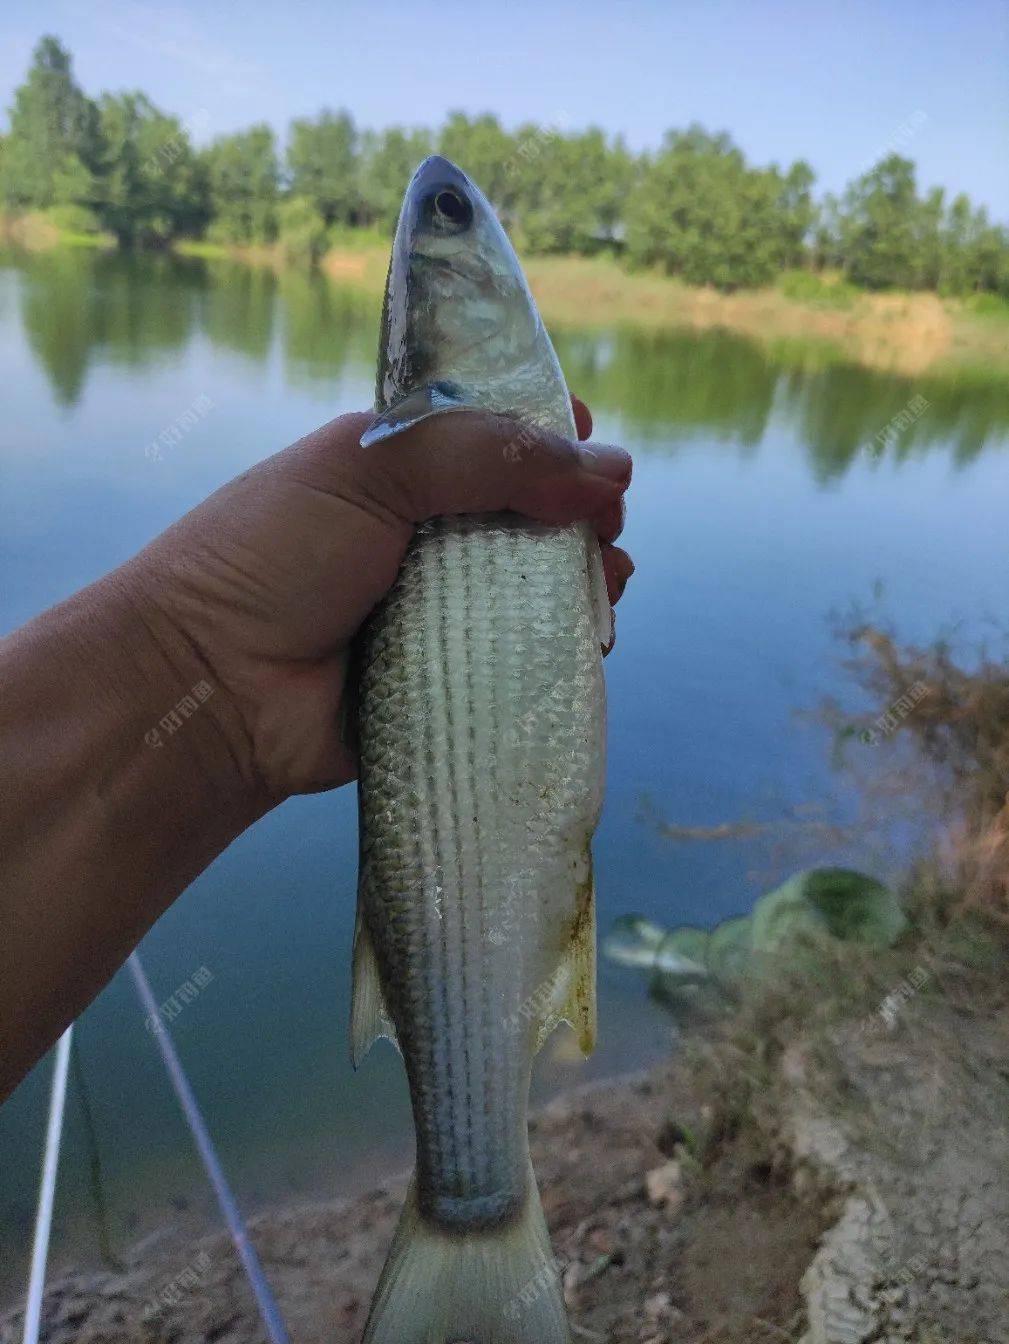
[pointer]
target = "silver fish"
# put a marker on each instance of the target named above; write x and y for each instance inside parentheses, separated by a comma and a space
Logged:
(482, 727)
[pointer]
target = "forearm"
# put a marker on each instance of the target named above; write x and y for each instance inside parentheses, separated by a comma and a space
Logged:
(149, 720)
(123, 775)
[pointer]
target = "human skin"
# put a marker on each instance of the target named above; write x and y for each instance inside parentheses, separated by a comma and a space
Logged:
(110, 803)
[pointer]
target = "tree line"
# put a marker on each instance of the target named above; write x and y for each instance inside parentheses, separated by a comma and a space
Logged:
(693, 208)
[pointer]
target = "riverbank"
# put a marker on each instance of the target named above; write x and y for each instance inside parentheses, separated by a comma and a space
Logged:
(38, 231)
(824, 1161)
(903, 333)
(807, 1168)
(900, 333)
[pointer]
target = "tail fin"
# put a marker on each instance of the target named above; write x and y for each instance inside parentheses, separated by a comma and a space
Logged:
(494, 1286)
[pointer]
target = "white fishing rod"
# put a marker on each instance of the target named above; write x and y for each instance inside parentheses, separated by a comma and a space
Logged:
(269, 1314)
(47, 1189)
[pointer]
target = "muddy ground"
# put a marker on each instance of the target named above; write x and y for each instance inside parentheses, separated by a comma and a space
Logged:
(855, 1191)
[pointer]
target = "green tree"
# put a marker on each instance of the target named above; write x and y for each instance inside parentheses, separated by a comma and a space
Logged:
(695, 208)
(243, 177)
(53, 148)
(700, 213)
(889, 236)
(798, 213)
(974, 251)
(301, 230)
(485, 152)
(991, 257)
(322, 166)
(151, 188)
(929, 248)
(880, 226)
(827, 249)
(388, 159)
(958, 240)
(569, 190)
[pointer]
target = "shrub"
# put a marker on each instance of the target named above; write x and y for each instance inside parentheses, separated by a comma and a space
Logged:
(302, 230)
(822, 290)
(73, 219)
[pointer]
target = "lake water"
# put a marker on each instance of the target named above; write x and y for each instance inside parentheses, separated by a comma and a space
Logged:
(759, 508)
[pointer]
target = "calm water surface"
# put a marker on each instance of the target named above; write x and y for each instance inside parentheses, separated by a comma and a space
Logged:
(757, 511)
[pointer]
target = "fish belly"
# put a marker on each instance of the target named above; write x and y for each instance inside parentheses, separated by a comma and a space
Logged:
(482, 739)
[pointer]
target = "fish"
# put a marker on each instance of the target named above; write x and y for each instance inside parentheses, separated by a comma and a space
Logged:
(481, 726)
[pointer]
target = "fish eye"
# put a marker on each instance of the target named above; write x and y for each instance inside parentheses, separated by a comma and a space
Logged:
(450, 210)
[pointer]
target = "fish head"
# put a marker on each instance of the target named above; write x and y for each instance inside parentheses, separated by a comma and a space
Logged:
(458, 320)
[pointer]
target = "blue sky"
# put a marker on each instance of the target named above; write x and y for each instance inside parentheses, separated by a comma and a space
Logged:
(835, 83)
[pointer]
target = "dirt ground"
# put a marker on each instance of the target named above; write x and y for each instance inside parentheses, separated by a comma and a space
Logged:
(860, 1195)
(634, 1267)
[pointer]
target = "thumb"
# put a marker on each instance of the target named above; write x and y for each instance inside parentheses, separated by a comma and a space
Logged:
(475, 462)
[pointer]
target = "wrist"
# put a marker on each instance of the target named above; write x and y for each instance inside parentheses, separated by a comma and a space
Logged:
(112, 815)
(180, 709)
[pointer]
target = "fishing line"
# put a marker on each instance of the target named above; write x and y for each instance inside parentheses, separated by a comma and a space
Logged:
(47, 1190)
(269, 1314)
(95, 1173)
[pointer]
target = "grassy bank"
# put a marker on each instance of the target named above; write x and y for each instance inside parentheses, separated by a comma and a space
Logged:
(40, 230)
(823, 1160)
(789, 1159)
(905, 333)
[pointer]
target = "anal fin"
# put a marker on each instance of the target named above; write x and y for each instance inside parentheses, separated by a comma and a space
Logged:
(369, 1015)
(575, 998)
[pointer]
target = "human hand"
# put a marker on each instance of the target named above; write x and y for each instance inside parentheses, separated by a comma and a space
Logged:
(269, 580)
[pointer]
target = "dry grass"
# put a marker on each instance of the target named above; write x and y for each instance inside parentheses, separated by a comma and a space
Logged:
(947, 760)
(37, 232)
(908, 334)
(958, 734)
(902, 333)
(32, 231)
(365, 268)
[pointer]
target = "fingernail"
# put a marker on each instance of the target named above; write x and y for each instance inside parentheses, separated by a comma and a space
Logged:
(604, 460)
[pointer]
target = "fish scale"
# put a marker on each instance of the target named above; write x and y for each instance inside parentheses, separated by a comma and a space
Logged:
(482, 726)
(468, 862)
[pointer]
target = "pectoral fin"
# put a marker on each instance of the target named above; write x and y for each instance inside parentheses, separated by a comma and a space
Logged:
(418, 405)
(575, 997)
(369, 1016)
